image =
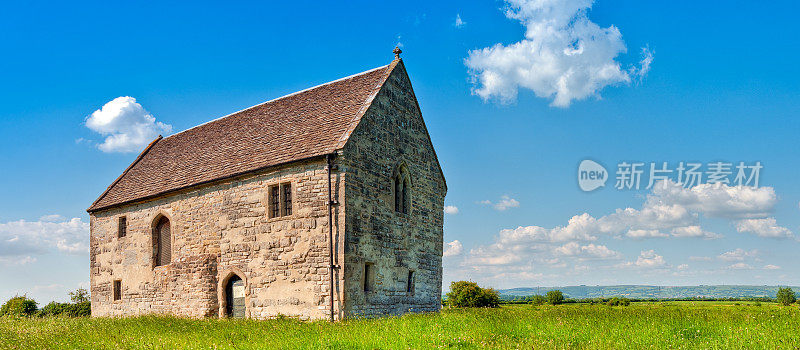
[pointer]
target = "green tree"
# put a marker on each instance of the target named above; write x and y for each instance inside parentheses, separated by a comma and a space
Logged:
(538, 300)
(617, 301)
(18, 306)
(785, 296)
(81, 295)
(469, 294)
(555, 297)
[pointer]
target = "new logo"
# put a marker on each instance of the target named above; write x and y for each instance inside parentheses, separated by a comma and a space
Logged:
(591, 175)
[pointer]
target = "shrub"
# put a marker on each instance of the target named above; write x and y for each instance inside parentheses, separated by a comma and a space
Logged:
(538, 300)
(52, 309)
(81, 306)
(555, 297)
(785, 296)
(82, 309)
(469, 294)
(18, 306)
(617, 301)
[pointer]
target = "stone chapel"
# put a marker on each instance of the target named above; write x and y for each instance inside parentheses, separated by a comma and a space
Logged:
(323, 204)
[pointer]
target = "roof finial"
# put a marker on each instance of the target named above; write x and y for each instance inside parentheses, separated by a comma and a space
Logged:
(397, 52)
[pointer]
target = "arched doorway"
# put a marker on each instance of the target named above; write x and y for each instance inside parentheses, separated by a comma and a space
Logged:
(234, 297)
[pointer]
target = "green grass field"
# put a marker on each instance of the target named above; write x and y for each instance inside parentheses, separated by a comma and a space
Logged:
(677, 325)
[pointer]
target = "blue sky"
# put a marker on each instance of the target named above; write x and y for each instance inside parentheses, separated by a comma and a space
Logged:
(722, 86)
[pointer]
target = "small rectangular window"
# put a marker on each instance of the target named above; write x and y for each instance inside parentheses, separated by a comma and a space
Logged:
(122, 227)
(369, 277)
(274, 202)
(118, 290)
(410, 282)
(287, 199)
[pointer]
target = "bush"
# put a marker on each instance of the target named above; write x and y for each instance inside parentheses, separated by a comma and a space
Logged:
(469, 294)
(538, 300)
(18, 306)
(82, 309)
(617, 301)
(81, 306)
(52, 309)
(555, 297)
(785, 296)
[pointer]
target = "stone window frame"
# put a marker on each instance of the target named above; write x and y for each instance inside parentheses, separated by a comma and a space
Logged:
(122, 226)
(281, 200)
(153, 227)
(222, 280)
(401, 171)
(368, 277)
(411, 284)
(116, 290)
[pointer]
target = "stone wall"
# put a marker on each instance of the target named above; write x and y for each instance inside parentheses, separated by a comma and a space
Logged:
(391, 133)
(219, 230)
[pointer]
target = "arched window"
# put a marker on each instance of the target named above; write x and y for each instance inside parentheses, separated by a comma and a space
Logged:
(162, 242)
(402, 189)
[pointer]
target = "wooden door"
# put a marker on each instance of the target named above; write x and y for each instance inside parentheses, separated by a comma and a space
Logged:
(235, 297)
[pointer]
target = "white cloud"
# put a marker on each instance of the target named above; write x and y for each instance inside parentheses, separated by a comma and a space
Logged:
(694, 231)
(771, 267)
(51, 218)
(738, 254)
(564, 56)
(764, 228)
(700, 258)
(450, 209)
(645, 234)
(21, 238)
(646, 259)
(578, 229)
(644, 64)
(717, 200)
(459, 22)
(740, 266)
(669, 212)
(590, 251)
(683, 267)
(672, 208)
(652, 216)
(649, 258)
(453, 248)
(16, 260)
(504, 203)
(127, 126)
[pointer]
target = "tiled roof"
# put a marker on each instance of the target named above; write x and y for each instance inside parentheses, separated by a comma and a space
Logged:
(306, 124)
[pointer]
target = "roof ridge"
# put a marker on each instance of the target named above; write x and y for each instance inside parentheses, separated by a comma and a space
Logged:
(368, 102)
(281, 97)
(138, 158)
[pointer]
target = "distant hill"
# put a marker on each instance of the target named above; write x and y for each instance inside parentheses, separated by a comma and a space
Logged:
(658, 292)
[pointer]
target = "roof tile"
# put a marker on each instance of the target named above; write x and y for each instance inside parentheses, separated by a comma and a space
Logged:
(302, 125)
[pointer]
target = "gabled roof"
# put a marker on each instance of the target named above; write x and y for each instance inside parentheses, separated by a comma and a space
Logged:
(302, 125)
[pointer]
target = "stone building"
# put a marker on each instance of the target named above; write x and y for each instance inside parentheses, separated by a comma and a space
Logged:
(325, 203)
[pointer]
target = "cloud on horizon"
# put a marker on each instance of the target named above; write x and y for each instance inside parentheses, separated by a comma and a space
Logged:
(21, 240)
(668, 212)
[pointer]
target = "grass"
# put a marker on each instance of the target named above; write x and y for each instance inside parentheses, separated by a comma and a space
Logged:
(677, 325)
